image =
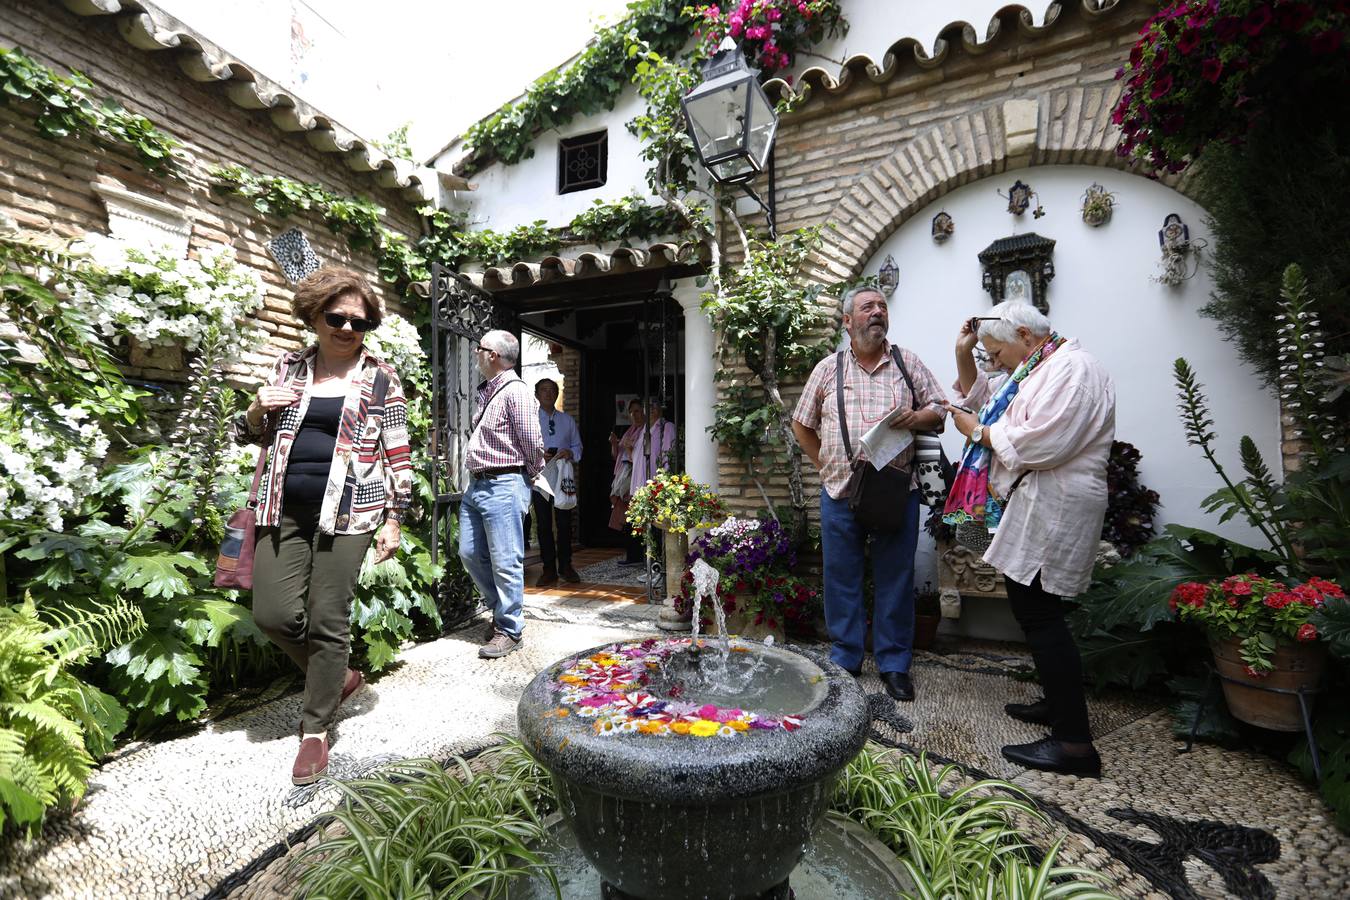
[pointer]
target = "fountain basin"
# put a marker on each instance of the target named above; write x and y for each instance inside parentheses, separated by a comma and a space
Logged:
(671, 790)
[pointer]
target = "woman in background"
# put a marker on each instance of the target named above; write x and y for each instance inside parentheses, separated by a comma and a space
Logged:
(621, 489)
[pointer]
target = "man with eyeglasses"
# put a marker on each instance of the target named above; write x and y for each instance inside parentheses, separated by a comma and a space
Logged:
(562, 440)
(504, 456)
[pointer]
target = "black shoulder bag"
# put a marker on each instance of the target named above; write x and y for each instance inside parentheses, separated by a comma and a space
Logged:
(877, 498)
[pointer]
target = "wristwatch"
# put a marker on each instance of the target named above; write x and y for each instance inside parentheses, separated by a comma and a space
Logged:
(977, 434)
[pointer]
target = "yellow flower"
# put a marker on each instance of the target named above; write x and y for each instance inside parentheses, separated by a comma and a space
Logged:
(738, 725)
(679, 727)
(703, 728)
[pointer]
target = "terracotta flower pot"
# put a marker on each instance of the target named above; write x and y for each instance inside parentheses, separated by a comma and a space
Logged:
(1258, 701)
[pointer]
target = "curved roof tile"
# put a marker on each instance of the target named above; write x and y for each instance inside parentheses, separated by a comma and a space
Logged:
(147, 27)
(908, 53)
(584, 265)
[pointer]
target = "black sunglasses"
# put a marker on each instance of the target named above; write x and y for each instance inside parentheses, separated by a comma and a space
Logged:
(337, 320)
(974, 321)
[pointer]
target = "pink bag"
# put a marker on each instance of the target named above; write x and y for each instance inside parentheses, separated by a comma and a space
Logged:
(234, 565)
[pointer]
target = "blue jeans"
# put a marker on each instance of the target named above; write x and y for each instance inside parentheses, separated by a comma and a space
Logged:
(843, 541)
(492, 545)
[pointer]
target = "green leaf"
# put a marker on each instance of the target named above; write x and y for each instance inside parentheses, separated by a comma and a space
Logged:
(159, 575)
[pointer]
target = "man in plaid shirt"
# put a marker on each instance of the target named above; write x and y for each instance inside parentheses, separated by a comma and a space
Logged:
(873, 388)
(505, 454)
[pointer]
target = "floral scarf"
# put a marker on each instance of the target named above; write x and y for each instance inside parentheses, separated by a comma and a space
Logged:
(971, 498)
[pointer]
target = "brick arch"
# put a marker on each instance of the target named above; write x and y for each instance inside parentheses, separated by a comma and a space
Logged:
(1070, 126)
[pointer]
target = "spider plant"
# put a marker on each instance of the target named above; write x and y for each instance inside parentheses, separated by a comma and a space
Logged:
(955, 842)
(419, 830)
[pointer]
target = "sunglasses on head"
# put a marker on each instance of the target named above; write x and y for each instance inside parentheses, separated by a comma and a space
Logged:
(974, 321)
(337, 320)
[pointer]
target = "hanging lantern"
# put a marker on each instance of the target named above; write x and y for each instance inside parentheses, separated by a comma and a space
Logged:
(730, 118)
(888, 277)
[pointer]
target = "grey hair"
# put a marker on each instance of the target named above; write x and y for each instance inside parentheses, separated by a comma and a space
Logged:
(852, 294)
(504, 344)
(1012, 316)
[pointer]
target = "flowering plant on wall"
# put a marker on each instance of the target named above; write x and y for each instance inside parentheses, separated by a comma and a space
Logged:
(770, 32)
(1207, 70)
(754, 560)
(1261, 612)
(162, 300)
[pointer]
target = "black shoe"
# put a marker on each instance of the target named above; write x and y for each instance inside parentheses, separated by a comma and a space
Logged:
(547, 578)
(1037, 713)
(1048, 755)
(570, 575)
(898, 685)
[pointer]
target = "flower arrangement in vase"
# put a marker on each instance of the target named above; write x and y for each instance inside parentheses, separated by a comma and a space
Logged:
(673, 502)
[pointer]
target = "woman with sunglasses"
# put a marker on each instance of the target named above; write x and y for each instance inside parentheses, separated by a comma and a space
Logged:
(1032, 485)
(339, 476)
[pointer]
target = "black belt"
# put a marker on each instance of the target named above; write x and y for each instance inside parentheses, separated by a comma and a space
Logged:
(501, 470)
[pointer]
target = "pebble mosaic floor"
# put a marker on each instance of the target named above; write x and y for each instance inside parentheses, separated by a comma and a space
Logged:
(213, 814)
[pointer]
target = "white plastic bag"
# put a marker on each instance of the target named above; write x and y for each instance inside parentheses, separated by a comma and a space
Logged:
(562, 482)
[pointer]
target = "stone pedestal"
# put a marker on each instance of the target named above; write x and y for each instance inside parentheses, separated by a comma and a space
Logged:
(676, 549)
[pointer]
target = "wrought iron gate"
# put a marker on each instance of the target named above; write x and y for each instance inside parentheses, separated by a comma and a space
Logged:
(461, 314)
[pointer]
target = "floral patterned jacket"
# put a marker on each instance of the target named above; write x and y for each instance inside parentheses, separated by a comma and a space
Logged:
(371, 476)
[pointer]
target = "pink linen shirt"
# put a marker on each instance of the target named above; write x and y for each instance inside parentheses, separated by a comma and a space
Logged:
(1058, 430)
(508, 433)
(650, 450)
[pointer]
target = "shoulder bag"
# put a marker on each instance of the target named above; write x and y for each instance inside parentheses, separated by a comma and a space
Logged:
(877, 497)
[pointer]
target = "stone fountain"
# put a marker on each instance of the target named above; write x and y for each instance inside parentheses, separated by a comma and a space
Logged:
(689, 768)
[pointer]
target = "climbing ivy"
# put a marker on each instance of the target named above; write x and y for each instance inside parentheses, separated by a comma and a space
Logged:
(624, 219)
(591, 83)
(65, 108)
(451, 245)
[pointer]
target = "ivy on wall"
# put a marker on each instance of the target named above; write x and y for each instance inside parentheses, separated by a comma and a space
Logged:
(448, 241)
(66, 108)
(592, 83)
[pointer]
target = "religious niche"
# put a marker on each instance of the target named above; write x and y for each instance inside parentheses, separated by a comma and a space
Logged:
(1019, 268)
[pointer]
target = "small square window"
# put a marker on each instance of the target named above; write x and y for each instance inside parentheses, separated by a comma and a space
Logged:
(583, 162)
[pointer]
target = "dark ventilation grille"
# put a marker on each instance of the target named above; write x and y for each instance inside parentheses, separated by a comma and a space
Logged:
(583, 162)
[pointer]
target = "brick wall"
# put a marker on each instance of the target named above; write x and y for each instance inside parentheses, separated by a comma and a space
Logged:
(568, 361)
(867, 155)
(45, 185)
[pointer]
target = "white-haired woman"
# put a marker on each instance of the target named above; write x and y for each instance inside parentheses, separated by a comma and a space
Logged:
(1033, 474)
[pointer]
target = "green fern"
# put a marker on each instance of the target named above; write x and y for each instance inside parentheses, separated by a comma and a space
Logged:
(51, 723)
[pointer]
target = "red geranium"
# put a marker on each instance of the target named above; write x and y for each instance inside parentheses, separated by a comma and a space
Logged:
(1307, 632)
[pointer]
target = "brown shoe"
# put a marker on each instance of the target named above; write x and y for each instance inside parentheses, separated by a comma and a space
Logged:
(570, 575)
(351, 685)
(501, 645)
(311, 763)
(548, 578)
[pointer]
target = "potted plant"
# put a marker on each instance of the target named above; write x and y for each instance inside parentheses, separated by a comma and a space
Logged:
(1098, 203)
(1265, 649)
(927, 616)
(675, 504)
(760, 596)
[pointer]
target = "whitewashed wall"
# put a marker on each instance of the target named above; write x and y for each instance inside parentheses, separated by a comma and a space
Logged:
(1101, 294)
(518, 194)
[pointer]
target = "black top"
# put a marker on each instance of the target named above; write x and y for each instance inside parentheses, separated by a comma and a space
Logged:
(312, 451)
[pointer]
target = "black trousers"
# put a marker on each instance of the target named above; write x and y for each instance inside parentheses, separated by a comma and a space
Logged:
(1041, 616)
(557, 554)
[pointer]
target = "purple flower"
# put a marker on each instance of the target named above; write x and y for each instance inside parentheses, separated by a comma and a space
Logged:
(1227, 28)
(1161, 87)
(1211, 69)
(1256, 21)
(1189, 40)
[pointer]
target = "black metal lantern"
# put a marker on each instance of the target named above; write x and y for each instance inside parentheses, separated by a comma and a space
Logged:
(730, 118)
(888, 276)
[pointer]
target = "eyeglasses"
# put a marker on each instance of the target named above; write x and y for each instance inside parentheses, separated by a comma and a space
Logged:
(337, 320)
(974, 321)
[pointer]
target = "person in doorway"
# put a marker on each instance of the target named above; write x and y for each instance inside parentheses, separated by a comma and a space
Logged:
(873, 387)
(621, 489)
(652, 453)
(504, 456)
(339, 476)
(562, 440)
(1034, 474)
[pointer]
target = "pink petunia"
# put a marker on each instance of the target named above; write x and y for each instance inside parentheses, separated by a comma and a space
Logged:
(1211, 69)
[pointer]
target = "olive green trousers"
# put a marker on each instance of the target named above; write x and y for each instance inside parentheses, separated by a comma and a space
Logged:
(303, 581)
